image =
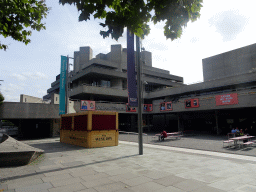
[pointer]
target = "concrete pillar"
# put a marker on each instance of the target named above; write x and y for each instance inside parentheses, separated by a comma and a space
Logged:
(116, 55)
(146, 58)
(76, 61)
(85, 55)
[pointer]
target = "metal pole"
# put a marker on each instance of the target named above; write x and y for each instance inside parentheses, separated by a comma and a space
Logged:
(139, 96)
(66, 109)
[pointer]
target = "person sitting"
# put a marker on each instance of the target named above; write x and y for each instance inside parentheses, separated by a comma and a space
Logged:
(163, 135)
(241, 133)
(233, 130)
(237, 132)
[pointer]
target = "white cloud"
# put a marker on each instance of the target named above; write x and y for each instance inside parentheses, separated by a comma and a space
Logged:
(30, 75)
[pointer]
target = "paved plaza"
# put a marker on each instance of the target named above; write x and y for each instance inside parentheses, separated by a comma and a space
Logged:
(68, 168)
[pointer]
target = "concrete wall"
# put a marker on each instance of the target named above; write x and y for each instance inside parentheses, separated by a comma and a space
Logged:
(85, 55)
(231, 63)
(116, 83)
(30, 99)
(228, 81)
(146, 58)
(207, 102)
(16, 110)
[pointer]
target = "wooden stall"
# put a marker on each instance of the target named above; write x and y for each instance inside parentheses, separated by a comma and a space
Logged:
(90, 129)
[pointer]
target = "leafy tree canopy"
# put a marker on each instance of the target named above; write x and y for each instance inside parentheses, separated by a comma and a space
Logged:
(135, 15)
(1, 98)
(16, 15)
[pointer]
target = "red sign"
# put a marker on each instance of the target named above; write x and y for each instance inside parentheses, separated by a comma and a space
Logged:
(191, 103)
(166, 106)
(228, 99)
(87, 105)
(130, 108)
(147, 107)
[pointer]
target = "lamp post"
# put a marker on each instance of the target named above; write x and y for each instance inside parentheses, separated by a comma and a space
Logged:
(139, 96)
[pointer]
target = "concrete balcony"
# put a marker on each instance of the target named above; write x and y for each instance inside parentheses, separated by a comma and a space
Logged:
(96, 90)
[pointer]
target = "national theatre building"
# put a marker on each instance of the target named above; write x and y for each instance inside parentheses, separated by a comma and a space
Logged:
(226, 98)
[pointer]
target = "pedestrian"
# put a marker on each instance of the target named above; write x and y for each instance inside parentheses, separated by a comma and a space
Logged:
(163, 135)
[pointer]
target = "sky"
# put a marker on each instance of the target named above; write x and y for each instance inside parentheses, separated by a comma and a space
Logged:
(30, 69)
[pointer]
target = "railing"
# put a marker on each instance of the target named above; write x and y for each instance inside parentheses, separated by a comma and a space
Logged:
(103, 86)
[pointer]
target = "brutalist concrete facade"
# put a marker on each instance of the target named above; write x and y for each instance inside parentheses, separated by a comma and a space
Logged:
(231, 63)
(103, 79)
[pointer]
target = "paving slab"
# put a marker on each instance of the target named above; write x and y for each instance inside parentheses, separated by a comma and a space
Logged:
(147, 187)
(68, 188)
(35, 188)
(111, 187)
(120, 168)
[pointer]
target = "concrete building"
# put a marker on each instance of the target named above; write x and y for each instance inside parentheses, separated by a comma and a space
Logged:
(226, 98)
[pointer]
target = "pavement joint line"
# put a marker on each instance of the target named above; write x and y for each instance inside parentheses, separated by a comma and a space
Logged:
(194, 151)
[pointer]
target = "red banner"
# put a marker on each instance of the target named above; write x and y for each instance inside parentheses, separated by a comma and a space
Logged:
(228, 99)
(130, 108)
(191, 103)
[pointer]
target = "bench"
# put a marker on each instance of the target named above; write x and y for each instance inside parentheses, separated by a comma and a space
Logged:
(228, 141)
(174, 136)
(248, 143)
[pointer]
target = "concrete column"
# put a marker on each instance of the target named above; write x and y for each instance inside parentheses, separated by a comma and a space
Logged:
(116, 55)
(85, 55)
(76, 61)
(146, 58)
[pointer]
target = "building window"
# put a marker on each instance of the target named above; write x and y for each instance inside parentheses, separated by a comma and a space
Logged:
(56, 98)
(105, 83)
(25, 100)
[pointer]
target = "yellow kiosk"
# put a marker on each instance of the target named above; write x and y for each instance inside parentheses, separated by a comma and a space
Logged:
(90, 129)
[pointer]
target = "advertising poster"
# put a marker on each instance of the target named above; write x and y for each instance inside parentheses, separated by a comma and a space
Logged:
(131, 74)
(87, 105)
(227, 99)
(130, 108)
(191, 103)
(166, 106)
(63, 69)
(147, 107)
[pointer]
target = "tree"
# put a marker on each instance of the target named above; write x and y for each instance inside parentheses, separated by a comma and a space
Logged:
(16, 15)
(136, 14)
(1, 98)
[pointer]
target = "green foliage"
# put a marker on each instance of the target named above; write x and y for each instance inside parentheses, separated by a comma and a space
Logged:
(16, 15)
(1, 98)
(135, 15)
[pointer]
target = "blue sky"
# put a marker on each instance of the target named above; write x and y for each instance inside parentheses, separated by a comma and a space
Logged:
(30, 69)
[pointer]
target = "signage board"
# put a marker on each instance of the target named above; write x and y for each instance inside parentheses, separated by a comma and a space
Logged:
(227, 99)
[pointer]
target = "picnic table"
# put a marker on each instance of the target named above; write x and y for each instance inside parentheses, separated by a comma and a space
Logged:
(242, 138)
(169, 135)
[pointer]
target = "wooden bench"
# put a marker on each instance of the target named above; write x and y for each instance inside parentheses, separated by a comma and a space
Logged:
(228, 141)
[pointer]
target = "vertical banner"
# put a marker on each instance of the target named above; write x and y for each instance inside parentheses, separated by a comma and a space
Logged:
(63, 70)
(131, 75)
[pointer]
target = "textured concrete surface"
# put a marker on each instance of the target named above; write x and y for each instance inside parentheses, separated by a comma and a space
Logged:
(13, 152)
(65, 167)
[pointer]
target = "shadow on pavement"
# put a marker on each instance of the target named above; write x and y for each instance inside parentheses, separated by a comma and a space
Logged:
(61, 169)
